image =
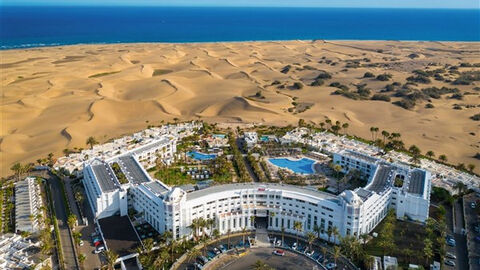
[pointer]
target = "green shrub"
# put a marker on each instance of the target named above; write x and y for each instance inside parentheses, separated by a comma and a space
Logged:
(381, 97)
(384, 77)
(368, 75)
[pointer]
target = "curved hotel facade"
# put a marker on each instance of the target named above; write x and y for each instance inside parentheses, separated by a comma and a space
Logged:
(232, 206)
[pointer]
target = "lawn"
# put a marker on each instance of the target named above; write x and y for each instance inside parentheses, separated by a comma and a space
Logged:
(173, 176)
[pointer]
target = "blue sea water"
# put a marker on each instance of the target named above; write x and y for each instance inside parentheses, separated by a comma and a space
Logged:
(302, 166)
(44, 26)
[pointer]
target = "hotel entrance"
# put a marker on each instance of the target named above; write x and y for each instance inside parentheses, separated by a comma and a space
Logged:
(261, 219)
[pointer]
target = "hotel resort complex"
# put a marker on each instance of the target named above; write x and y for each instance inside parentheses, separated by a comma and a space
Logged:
(192, 181)
(121, 184)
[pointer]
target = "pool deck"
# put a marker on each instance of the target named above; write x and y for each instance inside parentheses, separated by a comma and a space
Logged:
(314, 171)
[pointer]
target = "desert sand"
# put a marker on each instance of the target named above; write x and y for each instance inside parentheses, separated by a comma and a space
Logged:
(55, 97)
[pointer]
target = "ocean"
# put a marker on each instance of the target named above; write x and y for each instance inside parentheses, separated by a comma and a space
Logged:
(23, 27)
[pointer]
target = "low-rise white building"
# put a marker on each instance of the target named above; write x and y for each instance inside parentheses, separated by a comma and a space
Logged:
(250, 138)
(27, 205)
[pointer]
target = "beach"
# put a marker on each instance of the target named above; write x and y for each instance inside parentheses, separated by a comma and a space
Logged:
(54, 98)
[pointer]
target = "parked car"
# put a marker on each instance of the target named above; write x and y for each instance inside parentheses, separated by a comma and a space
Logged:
(198, 266)
(203, 259)
(294, 246)
(310, 253)
(331, 266)
(450, 262)
(81, 243)
(279, 252)
(451, 256)
(473, 205)
(96, 244)
(99, 249)
(216, 251)
(278, 243)
(222, 248)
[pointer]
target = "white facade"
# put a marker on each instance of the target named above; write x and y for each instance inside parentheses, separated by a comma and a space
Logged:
(27, 205)
(251, 138)
(237, 206)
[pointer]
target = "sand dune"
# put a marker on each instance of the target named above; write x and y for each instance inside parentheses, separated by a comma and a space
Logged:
(54, 98)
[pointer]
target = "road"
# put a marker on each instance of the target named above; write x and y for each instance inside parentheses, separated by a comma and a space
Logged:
(472, 218)
(454, 227)
(61, 213)
(92, 260)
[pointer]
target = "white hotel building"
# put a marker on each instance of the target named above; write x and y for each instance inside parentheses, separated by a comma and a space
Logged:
(232, 206)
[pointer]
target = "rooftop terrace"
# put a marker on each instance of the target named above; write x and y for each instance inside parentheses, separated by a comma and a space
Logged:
(105, 176)
(417, 182)
(381, 180)
(267, 186)
(132, 170)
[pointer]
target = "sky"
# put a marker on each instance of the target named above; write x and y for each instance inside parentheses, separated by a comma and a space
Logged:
(463, 4)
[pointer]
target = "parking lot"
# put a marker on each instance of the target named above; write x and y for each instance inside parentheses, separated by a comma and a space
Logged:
(471, 204)
(244, 260)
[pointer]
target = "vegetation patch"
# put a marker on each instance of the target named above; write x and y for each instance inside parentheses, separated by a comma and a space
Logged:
(119, 174)
(158, 72)
(103, 74)
(381, 97)
(475, 117)
(384, 77)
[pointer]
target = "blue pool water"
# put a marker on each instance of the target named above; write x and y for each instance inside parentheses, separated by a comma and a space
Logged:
(264, 138)
(221, 136)
(303, 166)
(200, 156)
(23, 26)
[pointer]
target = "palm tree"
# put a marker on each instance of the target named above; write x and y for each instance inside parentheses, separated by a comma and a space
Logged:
(167, 236)
(415, 151)
(322, 124)
(385, 135)
(369, 262)
(324, 252)
(228, 235)
(336, 253)
(216, 234)
(148, 244)
(345, 127)
(193, 253)
(194, 227)
(328, 122)
(317, 229)
(111, 258)
(430, 154)
(161, 260)
(311, 238)
(335, 234)
(297, 225)
(210, 223)
(471, 167)
(329, 233)
(91, 141)
(364, 238)
(17, 169)
(443, 158)
(252, 221)
(427, 250)
(272, 215)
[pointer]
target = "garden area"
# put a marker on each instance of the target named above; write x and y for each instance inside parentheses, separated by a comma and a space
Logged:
(411, 243)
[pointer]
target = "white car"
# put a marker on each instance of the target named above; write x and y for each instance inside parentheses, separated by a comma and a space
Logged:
(331, 266)
(451, 255)
(310, 253)
(294, 247)
(278, 243)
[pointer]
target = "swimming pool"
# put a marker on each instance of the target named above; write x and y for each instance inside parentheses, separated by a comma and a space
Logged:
(302, 166)
(200, 156)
